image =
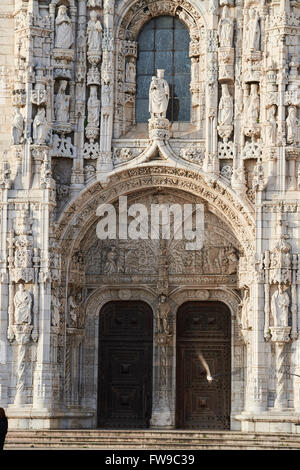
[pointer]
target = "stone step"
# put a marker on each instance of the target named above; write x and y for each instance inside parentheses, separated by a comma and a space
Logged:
(148, 440)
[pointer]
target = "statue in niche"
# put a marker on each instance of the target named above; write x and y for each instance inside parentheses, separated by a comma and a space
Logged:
(22, 303)
(111, 264)
(291, 125)
(74, 302)
(253, 106)
(252, 38)
(225, 107)
(130, 71)
(94, 32)
(245, 310)
(64, 34)
(225, 29)
(271, 127)
(55, 308)
(159, 96)
(280, 306)
(93, 107)
(17, 127)
(163, 313)
(62, 103)
(40, 127)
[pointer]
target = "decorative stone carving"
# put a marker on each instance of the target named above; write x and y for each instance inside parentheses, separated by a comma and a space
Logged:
(62, 146)
(23, 306)
(280, 307)
(63, 29)
(291, 125)
(158, 96)
(225, 115)
(94, 33)
(252, 36)
(40, 127)
(271, 126)
(225, 29)
(62, 103)
(17, 127)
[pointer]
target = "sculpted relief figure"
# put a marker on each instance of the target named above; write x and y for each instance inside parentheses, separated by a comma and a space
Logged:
(22, 303)
(280, 306)
(64, 34)
(163, 313)
(225, 107)
(17, 127)
(93, 107)
(291, 125)
(62, 103)
(159, 96)
(225, 29)
(130, 71)
(40, 127)
(252, 38)
(271, 127)
(94, 32)
(252, 112)
(111, 264)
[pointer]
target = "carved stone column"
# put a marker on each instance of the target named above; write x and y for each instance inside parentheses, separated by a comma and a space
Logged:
(22, 335)
(280, 336)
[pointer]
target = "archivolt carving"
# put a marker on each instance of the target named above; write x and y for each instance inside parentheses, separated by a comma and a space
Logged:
(79, 216)
(228, 297)
(134, 14)
(101, 296)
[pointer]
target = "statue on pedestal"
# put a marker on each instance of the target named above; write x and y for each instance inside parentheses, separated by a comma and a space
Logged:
(280, 306)
(22, 303)
(159, 94)
(64, 34)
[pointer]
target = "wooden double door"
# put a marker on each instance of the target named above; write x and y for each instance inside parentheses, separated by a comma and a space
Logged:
(203, 328)
(125, 365)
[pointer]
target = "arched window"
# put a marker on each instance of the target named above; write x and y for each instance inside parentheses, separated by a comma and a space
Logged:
(163, 43)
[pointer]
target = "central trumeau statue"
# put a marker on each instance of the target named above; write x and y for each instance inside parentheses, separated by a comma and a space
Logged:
(159, 96)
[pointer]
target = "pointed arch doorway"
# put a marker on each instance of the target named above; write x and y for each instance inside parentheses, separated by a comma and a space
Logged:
(203, 328)
(125, 365)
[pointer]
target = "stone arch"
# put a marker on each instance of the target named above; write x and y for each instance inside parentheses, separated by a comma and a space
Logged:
(132, 16)
(93, 305)
(232, 300)
(81, 213)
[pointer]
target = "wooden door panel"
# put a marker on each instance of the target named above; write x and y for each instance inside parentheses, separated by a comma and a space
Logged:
(125, 365)
(201, 404)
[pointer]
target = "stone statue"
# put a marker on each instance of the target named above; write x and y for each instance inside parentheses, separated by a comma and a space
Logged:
(291, 125)
(94, 32)
(40, 127)
(245, 310)
(64, 34)
(93, 107)
(62, 103)
(225, 107)
(271, 127)
(22, 303)
(280, 306)
(110, 266)
(159, 96)
(252, 38)
(55, 308)
(130, 71)
(17, 127)
(253, 107)
(163, 313)
(74, 310)
(225, 29)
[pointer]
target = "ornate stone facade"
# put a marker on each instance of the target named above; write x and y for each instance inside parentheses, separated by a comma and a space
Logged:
(70, 141)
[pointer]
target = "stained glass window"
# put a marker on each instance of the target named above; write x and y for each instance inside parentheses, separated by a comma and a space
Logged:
(163, 43)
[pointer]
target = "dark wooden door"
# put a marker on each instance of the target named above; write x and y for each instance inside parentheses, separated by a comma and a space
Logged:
(125, 365)
(203, 327)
